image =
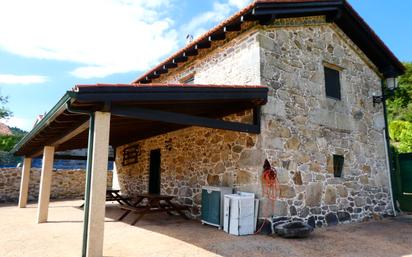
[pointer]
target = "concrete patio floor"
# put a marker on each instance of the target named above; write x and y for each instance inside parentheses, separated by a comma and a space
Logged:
(164, 236)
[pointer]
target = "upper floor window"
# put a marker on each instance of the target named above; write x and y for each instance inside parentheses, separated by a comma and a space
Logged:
(332, 83)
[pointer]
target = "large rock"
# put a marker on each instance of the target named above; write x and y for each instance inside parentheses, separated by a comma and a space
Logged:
(244, 177)
(283, 176)
(360, 201)
(313, 194)
(227, 180)
(293, 143)
(273, 142)
(331, 219)
(287, 191)
(342, 191)
(304, 212)
(330, 195)
(281, 208)
(297, 178)
(213, 180)
(312, 221)
(251, 158)
(219, 168)
(344, 216)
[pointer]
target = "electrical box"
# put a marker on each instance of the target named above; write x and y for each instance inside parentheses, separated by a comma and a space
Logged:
(240, 214)
(212, 205)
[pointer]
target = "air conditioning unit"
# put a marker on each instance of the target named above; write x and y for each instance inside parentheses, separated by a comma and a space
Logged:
(240, 213)
(212, 205)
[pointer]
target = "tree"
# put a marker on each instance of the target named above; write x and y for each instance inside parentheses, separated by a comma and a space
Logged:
(7, 142)
(401, 134)
(4, 112)
(400, 113)
(400, 104)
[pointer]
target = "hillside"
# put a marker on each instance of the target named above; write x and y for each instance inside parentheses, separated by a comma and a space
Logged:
(5, 130)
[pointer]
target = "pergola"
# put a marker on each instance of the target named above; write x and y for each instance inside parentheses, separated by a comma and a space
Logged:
(96, 116)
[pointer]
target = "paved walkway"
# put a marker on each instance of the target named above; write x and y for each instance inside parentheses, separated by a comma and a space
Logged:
(163, 236)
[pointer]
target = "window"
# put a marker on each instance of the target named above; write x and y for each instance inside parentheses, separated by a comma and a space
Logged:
(190, 79)
(332, 83)
(338, 161)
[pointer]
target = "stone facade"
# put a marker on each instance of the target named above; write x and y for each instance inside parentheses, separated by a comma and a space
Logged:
(292, 65)
(192, 158)
(301, 128)
(66, 184)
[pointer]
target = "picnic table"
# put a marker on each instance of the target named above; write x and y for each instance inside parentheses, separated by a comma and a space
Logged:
(114, 195)
(151, 203)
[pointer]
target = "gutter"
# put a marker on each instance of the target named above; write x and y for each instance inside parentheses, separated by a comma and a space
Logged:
(389, 156)
(58, 109)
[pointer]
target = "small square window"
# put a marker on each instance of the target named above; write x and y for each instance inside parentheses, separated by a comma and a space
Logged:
(338, 161)
(332, 83)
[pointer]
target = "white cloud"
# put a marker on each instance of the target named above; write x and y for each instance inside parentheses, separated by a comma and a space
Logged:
(22, 123)
(21, 79)
(220, 11)
(239, 3)
(103, 36)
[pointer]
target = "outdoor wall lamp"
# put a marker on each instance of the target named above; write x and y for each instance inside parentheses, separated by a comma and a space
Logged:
(391, 85)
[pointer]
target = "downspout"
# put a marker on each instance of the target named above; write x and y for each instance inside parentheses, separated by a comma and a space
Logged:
(389, 156)
(88, 173)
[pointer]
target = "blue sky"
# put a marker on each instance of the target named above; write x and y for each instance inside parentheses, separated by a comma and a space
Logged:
(50, 46)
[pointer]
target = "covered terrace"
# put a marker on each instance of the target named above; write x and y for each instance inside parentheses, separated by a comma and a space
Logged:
(96, 116)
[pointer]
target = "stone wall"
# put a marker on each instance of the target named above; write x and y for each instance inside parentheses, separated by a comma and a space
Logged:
(192, 158)
(233, 61)
(66, 184)
(301, 128)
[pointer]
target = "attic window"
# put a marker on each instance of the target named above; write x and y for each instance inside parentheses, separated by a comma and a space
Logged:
(338, 161)
(189, 79)
(332, 83)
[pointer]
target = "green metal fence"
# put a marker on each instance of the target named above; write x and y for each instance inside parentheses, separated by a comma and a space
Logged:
(402, 181)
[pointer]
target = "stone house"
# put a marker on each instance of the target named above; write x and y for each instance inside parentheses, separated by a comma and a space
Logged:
(304, 126)
(290, 81)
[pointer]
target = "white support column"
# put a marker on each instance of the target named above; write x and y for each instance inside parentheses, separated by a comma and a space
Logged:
(24, 183)
(45, 184)
(98, 185)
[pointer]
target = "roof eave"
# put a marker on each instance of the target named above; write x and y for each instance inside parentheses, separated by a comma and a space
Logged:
(51, 115)
(262, 10)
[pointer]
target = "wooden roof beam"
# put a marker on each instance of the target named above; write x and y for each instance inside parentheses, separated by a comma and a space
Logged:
(217, 36)
(233, 27)
(180, 59)
(203, 45)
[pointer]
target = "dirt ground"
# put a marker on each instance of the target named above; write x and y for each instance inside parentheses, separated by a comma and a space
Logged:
(164, 236)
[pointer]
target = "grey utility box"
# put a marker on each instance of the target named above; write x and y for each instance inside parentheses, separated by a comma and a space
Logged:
(212, 204)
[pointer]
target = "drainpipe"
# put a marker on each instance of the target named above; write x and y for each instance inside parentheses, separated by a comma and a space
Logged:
(88, 173)
(389, 156)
